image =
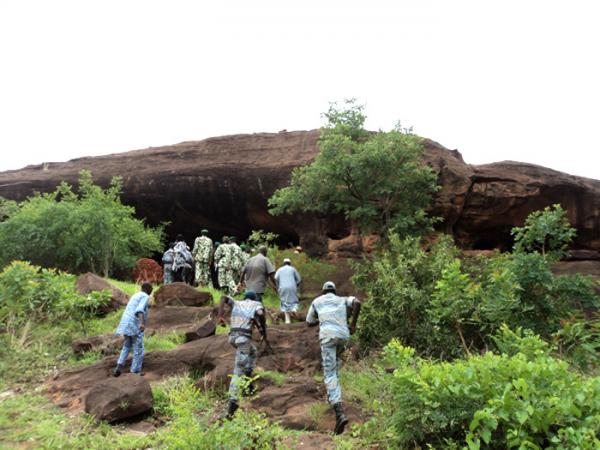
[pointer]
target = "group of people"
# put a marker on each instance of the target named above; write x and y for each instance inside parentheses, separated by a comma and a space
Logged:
(330, 311)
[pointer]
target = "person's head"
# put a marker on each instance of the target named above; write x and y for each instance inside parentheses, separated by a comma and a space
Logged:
(179, 238)
(204, 232)
(250, 295)
(232, 240)
(217, 243)
(147, 287)
(171, 245)
(287, 262)
(329, 287)
(225, 240)
(262, 250)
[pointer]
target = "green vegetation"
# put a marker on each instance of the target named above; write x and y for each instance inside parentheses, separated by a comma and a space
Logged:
(375, 179)
(89, 231)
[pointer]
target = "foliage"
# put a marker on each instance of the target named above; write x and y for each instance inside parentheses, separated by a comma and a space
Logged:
(375, 179)
(578, 341)
(445, 307)
(527, 399)
(547, 232)
(260, 237)
(90, 231)
(30, 294)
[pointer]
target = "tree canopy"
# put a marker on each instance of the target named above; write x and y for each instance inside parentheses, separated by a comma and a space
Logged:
(375, 179)
(86, 231)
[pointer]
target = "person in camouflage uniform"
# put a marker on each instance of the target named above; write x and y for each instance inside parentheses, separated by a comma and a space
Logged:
(225, 262)
(202, 253)
(238, 262)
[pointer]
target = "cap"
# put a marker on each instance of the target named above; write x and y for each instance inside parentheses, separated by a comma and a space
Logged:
(287, 260)
(250, 294)
(329, 286)
(204, 231)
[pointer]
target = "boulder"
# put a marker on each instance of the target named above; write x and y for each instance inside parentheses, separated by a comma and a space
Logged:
(119, 398)
(89, 282)
(147, 269)
(234, 176)
(208, 328)
(181, 294)
(106, 344)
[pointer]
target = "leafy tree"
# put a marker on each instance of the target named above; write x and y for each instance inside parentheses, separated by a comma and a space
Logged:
(86, 231)
(375, 179)
(547, 232)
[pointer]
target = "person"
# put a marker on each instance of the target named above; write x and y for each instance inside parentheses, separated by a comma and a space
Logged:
(288, 279)
(244, 315)
(225, 262)
(182, 261)
(167, 260)
(329, 311)
(214, 270)
(131, 327)
(237, 260)
(202, 253)
(257, 272)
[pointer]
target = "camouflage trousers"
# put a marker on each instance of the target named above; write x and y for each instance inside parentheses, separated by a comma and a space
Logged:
(331, 349)
(245, 358)
(202, 274)
(135, 343)
(227, 280)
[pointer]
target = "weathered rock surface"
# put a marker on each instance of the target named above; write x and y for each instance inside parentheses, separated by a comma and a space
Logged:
(89, 282)
(206, 329)
(181, 294)
(296, 351)
(106, 344)
(223, 184)
(119, 398)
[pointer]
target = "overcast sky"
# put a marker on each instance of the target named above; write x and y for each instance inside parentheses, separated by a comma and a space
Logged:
(499, 80)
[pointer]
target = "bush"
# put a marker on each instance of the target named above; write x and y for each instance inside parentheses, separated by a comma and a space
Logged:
(92, 231)
(30, 295)
(525, 399)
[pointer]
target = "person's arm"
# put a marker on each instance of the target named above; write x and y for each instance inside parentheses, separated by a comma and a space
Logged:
(272, 280)
(312, 319)
(262, 322)
(241, 282)
(270, 270)
(355, 312)
(225, 300)
(140, 312)
(297, 277)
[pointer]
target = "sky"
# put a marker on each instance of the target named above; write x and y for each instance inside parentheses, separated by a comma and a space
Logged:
(502, 80)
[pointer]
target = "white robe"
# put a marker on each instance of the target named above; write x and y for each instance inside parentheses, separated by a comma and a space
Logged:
(287, 279)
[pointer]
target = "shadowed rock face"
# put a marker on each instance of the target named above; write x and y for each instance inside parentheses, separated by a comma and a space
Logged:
(223, 184)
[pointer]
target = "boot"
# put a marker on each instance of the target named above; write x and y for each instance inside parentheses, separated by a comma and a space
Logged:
(340, 419)
(231, 409)
(117, 370)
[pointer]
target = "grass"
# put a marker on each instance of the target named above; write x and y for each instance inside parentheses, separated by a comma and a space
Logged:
(277, 377)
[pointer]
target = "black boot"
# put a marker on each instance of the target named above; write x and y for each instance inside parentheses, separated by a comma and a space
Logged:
(117, 370)
(340, 419)
(231, 409)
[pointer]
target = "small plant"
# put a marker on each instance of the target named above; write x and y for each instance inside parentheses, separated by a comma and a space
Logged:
(317, 411)
(260, 237)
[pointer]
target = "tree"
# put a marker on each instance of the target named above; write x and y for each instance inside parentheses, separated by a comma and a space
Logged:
(86, 231)
(375, 179)
(547, 232)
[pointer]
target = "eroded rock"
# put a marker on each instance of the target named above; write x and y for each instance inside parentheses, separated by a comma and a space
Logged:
(119, 398)
(89, 282)
(181, 294)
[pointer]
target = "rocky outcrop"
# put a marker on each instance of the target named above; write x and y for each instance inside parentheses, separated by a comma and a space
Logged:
(181, 294)
(114, 399)
(223, 184)
(89, 282)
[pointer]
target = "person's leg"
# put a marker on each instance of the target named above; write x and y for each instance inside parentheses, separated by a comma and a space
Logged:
(334, 391)
(242, 355)
(123, 356)
(138, 353)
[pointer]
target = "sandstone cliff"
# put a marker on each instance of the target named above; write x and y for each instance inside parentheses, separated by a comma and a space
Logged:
(223, 184)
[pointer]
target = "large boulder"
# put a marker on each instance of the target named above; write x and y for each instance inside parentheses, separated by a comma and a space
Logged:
(89, 282)
(181, 294)
(224, 183)
(119, 398)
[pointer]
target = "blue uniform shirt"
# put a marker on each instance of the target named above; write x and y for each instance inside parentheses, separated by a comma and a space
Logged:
(331, 313)
(129, 325)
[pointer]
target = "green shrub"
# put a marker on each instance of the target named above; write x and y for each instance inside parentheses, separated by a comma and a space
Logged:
(527, 399)
(92, 231)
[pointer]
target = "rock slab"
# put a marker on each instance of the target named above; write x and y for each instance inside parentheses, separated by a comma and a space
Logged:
(181, 294)
(89, 282)
(119, 398)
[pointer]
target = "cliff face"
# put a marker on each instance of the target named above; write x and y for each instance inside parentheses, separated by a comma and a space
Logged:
(223, 184)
